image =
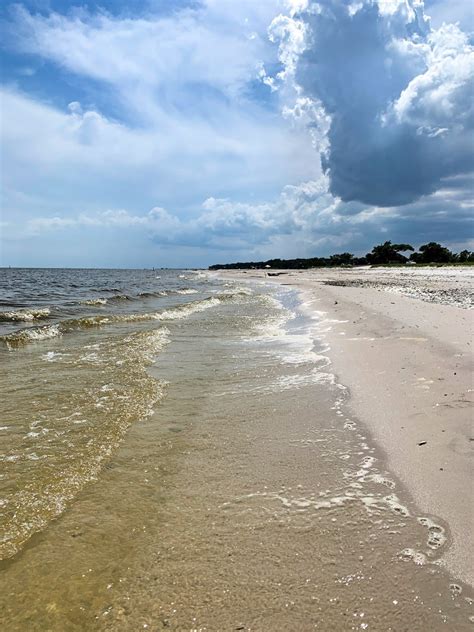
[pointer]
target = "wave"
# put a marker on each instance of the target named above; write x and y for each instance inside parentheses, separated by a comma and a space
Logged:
(95, 301)
(86, 322)
(184, 290)
(120, 297)
(187, 290)
(109, 402)
(33, 334)
(104, 289)
(236, 291)
(25, 315)
(182, 311)
(36, 334)
(103, 300)
(174, 313)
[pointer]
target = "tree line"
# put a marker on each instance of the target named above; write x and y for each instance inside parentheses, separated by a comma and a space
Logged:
(383, 254)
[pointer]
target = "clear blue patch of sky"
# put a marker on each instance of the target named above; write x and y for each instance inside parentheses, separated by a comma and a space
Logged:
(49, 83)
(257, 91)
(114, 7)
(260, 93)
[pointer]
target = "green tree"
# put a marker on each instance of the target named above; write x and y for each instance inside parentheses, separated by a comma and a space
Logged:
(465, 255)
(342, 259)
(388, 253)
(433, 253)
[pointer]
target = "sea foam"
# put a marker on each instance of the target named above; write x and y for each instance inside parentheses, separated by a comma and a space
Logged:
(25, 315)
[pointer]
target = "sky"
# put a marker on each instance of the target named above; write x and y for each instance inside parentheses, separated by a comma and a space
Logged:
(182, 133)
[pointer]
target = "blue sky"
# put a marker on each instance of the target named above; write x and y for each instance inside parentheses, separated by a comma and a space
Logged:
(188, 133)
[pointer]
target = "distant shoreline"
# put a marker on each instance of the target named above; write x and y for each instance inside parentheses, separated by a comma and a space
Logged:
(386, 254)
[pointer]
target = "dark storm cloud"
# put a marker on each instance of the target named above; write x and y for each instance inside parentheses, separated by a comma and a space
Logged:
(398, 94)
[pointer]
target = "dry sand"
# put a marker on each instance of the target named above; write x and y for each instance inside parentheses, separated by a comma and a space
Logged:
(401, 340)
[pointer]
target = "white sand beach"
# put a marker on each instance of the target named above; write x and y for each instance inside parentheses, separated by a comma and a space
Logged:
(289, 453)
(401, 340)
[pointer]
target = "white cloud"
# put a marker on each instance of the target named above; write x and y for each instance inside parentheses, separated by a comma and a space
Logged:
(398, 95)
(367, 84)
(152, 61)
(63, 162)
(441, 97)
(188, 127)
(107, 219)
(298, 208)
(304, 220)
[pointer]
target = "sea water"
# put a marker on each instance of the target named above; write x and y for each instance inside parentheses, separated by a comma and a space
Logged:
(176, 453)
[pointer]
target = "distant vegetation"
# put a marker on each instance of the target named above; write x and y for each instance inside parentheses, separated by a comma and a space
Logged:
(383, 254)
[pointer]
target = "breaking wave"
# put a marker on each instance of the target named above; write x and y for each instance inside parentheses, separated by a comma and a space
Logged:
(187, 290)
(95, 301)
(184, 290)
(92, 302)
(34, 334)
(25, 315)
(182, 311)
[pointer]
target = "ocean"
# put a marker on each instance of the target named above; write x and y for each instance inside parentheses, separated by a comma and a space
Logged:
(177, 454)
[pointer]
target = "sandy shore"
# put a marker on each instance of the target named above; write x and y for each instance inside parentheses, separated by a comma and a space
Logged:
(254, 497)
(401, 340)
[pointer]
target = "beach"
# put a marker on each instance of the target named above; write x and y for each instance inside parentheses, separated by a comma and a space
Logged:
(236, 332)
(401, 341)
(226, 452)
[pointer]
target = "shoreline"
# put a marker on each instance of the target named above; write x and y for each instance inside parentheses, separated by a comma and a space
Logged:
(251, 498)
(411, 385)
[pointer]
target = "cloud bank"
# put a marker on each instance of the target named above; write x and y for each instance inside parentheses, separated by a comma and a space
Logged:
(398, 95)
(250, 130)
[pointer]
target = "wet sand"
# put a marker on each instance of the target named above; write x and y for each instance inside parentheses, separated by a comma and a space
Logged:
(402, 343)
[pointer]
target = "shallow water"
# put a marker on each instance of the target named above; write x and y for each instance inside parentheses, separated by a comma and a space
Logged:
(74, 384)
(221, 484)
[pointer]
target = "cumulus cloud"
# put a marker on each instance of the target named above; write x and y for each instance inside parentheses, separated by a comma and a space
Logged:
(107, 219)
(178, 113)
(315, 220)
(398, 95)
(64, 161)
(368, 85)
(304, 208)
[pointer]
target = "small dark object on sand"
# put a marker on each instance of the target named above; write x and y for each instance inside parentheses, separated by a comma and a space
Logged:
(422, 442)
